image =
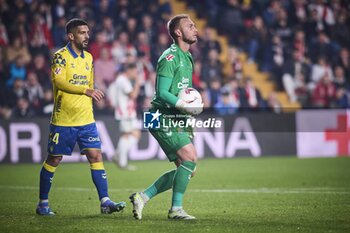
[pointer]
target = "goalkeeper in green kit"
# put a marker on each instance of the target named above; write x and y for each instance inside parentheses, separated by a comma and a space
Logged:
(174, 73)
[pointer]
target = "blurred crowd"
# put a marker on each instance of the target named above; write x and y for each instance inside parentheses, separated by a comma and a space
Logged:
(304, 45)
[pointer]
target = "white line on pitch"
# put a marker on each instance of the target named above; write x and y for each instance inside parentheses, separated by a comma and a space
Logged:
(315, 190)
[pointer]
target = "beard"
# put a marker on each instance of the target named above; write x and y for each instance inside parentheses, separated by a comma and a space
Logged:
(189, 40)
(81, 45)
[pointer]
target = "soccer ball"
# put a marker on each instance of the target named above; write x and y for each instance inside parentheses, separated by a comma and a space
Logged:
(193, 99)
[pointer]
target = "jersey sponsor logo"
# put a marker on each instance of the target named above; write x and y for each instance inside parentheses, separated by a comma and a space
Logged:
(59, 103)
(79, 80)
(184, 83)
(170, 57)
(93, 139)
(151, 120)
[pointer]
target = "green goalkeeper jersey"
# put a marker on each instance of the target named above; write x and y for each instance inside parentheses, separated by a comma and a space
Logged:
(176, 65)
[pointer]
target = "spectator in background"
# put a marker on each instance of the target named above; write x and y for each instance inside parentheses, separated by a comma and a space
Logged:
(149, 89)
(293, 69)
(214, 90)
(301, 89)
(35, 90)
(209, 42)
(142, 45)
(298, 12)
(281, 28)
(158, 47)
(235, 92)
(5, 112)
(313, 26)
(59, 33)
(230, 21)
(59, 10)
(344, 61)
(17, 48)
(340, 80)
(100, 43)
(251, 99)
(300, 45)
(211, 68)
(47, 103)
(165, 11)
(149, 27)
(321, 47)
(108, 29)
(196, 75)
(105, 70)
(324, 94)
(235, 68)
(342, 98)
(20, 26)
(121, 48)
(103, 9)
(323, 11)
(225, 106)
(3, 73)
(121, 14)
(273, 104)
(23, 109)
(340, 31)
(257, 39)
(4, 39)
(16, 92)
(319, 70)
(44, 9)
(41, 68)
(17, 71)
(40, 33)
(205, 98)
(276, 53)
(6, 14)
(131, 29)
(271, 12)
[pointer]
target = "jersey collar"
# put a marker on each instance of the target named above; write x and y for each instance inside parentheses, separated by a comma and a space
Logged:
(177, 47)
(74, 54)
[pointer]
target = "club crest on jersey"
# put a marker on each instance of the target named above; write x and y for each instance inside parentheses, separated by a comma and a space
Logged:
(58, 70)
(170, 57)
(73, 65)
(86, 66)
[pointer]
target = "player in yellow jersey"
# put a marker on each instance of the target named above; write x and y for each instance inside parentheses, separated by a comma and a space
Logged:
(72, 118)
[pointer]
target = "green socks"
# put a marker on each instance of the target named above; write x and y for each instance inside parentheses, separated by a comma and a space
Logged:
(162, 184)
(181, 180)
(178, 179)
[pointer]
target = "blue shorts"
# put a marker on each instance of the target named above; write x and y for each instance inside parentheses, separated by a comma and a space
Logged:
(62, 139)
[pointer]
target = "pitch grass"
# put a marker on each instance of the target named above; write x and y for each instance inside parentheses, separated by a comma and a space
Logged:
(228, 195)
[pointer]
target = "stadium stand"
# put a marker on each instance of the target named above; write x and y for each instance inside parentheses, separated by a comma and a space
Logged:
(288, 54)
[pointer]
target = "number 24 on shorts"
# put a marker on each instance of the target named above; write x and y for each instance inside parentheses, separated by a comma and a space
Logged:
(55, 138)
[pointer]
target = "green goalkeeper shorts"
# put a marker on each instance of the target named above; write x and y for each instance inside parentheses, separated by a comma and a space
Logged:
(171, 141)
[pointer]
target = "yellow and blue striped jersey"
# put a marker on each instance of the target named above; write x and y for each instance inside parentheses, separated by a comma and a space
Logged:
(77, 70)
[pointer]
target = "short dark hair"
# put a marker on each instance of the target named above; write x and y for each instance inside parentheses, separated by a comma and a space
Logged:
(174, 24)
(73, 23)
